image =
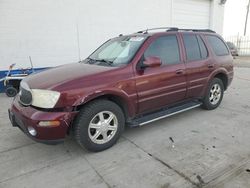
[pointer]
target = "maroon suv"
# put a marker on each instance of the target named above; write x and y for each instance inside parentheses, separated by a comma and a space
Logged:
(132, 79)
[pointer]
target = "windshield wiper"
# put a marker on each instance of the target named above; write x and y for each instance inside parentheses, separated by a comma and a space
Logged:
(93, 61)
(105, 61)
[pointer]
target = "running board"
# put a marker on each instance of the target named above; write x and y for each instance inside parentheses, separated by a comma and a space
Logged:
(145, 119)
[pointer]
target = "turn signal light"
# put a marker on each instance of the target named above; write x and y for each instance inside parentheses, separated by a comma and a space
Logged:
(49, 123)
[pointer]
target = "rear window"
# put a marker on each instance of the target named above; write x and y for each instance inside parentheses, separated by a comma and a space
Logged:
(195, 47)
(218, 46)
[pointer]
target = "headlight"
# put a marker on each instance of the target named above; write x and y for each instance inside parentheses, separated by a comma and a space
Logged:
(44, 98)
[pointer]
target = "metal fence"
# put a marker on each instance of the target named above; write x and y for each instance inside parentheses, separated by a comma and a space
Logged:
(242, 43)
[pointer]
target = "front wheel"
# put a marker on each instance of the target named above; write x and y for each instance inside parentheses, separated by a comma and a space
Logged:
(214, 94)
(99, 125)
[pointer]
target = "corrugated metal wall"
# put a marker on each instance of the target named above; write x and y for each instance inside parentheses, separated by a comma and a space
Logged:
(192, 13)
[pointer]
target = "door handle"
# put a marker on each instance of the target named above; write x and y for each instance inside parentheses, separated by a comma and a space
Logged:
(210, 66)
(180, 71)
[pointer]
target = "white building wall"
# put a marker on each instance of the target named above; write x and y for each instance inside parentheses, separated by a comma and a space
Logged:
(217, 16)
(48, 30)
(191, 13)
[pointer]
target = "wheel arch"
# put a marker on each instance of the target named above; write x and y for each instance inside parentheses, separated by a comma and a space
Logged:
(122, 101)
(223, 77)
(221, 74)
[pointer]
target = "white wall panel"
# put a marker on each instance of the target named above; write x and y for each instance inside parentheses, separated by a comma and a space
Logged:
(191, 13)
(46, 30)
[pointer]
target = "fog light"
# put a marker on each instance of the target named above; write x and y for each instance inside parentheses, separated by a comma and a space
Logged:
(49, 123)
(32, 131)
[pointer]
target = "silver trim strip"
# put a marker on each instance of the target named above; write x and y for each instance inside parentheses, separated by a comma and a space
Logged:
(183, 110)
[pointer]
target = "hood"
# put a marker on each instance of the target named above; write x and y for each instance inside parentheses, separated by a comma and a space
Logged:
(54, 77)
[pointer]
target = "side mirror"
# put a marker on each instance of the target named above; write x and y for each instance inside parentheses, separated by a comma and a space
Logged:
(151, 61)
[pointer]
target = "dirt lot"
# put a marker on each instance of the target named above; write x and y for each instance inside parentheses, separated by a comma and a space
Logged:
(211, 150)
(242, 61)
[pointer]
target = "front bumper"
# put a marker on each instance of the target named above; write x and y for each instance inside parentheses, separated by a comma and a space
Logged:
(24, 117)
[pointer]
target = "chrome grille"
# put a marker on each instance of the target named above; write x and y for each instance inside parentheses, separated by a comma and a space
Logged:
(25, 94)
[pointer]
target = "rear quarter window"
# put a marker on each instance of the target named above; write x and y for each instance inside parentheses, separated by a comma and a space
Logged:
(203, 48)
(218, 46)
(192, 47)
(195, 47)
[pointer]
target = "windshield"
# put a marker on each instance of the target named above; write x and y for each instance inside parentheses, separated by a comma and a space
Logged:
(117, 51)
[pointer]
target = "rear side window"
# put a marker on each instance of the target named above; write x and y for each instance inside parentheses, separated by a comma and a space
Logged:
(166, 48)
(192, 47)
(218, 46)
(203, 48)
(195, 47)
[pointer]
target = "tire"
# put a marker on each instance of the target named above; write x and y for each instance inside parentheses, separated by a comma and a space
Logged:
(214, 94)
(101, 117)
(11, 91)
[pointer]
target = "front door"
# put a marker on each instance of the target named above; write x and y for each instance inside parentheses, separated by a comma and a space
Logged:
(163, 85)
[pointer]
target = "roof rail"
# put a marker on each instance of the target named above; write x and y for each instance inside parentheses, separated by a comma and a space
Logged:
(157, 28)
(168, 29)
(198, 30)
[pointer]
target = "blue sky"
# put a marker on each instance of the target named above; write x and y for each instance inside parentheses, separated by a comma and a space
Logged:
(234, 18)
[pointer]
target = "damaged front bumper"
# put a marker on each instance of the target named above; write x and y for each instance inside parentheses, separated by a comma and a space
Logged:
(29, 118)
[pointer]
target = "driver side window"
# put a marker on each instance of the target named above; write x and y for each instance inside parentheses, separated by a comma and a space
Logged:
(166, 48)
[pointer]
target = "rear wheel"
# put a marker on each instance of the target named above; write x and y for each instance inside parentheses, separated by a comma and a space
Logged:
(214, 94)
(99, 125)
(11, 91)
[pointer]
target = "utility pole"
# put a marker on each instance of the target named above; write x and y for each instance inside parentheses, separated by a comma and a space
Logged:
(245, 29)
(78, 40)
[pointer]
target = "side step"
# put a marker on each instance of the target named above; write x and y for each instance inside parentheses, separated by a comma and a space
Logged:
(148, 118)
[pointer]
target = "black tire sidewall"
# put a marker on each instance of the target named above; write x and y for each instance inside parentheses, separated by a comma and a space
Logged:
(11, 92)
(86, 114)
(206, 103)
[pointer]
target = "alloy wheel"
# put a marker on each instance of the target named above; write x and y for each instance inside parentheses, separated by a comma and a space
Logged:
(215, 94)
(103, 127)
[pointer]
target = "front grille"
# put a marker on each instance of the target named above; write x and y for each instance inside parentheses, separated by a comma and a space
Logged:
(25, 96)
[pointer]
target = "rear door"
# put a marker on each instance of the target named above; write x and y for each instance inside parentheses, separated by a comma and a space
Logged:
(160, 86)
(199, 64)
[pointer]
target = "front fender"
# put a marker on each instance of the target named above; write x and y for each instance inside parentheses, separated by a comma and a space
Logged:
(127, 100)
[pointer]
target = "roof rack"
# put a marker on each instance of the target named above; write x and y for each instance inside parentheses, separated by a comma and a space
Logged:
(157, 28)
(198, 30)
(168, 29)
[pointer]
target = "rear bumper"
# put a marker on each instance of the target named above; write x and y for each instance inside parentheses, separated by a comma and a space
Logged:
(29, 117)
(230, 76)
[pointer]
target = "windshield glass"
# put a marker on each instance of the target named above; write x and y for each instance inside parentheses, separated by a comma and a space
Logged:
(117, 51)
